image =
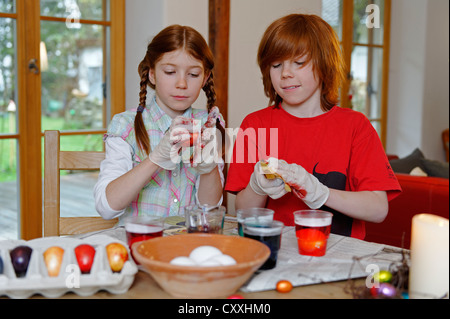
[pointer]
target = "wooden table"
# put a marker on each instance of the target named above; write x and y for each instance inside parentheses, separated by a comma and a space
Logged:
(144, 287)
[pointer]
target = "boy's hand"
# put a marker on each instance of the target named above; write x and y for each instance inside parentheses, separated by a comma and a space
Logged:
(264, 186)
(305, 185)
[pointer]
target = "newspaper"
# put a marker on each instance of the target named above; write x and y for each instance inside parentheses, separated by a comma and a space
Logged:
(345, 258)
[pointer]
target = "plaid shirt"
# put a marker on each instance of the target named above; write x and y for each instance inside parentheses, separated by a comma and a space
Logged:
(168, 192)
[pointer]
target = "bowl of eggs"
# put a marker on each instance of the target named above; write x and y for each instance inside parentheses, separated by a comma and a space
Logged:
(200, 265)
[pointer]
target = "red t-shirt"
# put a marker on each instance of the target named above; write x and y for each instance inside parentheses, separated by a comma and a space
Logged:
(340, 147)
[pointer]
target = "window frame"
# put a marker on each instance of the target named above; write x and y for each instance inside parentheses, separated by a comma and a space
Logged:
(347, 47)
(29, 134)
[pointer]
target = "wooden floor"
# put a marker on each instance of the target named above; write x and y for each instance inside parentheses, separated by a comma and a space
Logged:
(77, 199)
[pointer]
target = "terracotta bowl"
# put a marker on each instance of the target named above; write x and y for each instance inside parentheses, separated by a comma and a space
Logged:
(200, 282)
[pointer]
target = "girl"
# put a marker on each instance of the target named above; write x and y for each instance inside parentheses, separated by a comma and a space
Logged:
(330, 157)
(143, 172)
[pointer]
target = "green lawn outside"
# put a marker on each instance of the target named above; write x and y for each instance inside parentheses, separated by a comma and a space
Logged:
(8, 147)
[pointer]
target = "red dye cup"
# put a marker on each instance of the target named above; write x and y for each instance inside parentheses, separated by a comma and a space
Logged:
(312, 228)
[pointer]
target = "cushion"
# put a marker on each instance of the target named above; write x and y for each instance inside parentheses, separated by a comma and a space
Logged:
(406, 164)
(417, 171)
(435, 168)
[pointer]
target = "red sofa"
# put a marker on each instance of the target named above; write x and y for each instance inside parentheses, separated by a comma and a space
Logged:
(420, 195)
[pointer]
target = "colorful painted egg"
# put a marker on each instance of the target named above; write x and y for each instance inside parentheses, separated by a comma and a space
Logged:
(284, 286)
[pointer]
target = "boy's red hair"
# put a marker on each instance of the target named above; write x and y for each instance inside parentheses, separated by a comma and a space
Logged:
(297, 35)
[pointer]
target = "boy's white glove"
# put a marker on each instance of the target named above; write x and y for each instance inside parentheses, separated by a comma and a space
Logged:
(166, 153)
(264, 186)
(304, 185)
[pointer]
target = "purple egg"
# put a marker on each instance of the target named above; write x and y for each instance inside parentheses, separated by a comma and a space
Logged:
(387, 290)
(20, 258)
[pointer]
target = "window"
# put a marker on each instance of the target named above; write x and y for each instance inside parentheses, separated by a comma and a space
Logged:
(363, 27)
(61, 67)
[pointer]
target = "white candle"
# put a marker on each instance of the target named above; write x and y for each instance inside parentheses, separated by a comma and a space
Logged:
(429, 271)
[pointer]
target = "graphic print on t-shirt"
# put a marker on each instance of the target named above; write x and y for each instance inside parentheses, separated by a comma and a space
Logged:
(341, 224)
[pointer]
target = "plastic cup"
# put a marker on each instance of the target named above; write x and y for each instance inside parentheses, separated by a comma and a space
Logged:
(268, 233)
(140, 228)
(205, 219)
(254, 214)
(312, 228)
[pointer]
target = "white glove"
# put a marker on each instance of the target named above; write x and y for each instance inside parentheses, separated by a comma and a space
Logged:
(304, 185)
(206, 151)
(166, 153)
(206, 157)
(264, 186)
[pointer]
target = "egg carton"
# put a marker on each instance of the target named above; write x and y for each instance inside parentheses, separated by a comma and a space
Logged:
(70, 278)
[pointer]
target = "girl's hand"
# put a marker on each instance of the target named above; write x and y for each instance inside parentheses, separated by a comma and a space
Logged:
(166, 153)
(208, 150)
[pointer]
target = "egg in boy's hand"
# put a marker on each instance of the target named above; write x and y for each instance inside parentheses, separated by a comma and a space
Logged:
(270, 173)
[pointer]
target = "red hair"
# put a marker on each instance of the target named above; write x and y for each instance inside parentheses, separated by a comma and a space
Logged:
(297, 35)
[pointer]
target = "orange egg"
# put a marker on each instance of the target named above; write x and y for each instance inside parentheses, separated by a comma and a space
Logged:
(117, 256)
(53, 259)
(284, 286)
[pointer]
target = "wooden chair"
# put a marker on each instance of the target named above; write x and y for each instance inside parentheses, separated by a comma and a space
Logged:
(55, 161)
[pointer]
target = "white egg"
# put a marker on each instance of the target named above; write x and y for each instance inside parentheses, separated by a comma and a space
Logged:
(210, 263)
(203, 253)
(183, 261)
(223, 260)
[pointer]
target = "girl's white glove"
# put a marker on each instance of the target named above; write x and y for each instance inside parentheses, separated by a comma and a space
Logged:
(166, 153)
(264, 186)
(208, 150)
(304, 185)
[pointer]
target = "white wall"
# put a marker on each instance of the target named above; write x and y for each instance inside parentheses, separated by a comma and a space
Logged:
(248, 21)
(144, 19)
(436, 84)
(418, 105)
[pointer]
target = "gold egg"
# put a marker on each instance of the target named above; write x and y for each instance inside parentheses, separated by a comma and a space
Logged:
(383, 276)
